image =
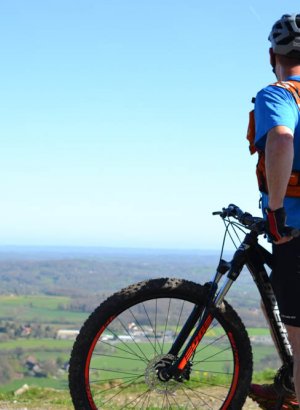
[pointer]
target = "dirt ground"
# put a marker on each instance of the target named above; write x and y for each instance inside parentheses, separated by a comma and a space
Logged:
(250, 405)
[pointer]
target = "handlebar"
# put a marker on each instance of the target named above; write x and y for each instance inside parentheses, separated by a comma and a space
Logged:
(253, 223)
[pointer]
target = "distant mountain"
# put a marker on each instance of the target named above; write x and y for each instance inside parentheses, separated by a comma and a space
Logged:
(80, 272)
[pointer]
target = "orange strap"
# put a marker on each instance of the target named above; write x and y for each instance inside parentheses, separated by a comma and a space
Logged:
(251, 133)
(293, 87)
(293, 189)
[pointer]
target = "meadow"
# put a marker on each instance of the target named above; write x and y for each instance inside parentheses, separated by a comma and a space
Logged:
(47, 293)
(52, 311)
(39, 309)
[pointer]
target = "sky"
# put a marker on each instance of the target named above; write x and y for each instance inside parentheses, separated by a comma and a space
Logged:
(123, 122)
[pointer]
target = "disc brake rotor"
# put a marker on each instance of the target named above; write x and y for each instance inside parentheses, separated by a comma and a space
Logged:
(152, 374)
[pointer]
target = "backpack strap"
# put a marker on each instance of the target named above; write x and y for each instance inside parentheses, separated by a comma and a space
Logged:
(293, 87)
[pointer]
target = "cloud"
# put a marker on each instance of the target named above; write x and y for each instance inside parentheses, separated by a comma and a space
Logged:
(255, 13)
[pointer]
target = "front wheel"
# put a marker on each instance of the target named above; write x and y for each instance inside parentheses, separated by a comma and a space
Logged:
(120, 350)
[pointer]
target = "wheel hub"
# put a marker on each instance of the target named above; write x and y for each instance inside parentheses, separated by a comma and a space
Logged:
(154, 374)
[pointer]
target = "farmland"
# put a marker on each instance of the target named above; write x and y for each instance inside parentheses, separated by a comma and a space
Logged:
(46, 311)
(47, 292)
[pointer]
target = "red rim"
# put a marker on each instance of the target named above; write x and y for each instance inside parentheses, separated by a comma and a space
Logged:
(88, 361)
(229, 397)
(235, 373)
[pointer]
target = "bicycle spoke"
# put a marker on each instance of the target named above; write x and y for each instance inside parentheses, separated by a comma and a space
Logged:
(179, 318)
(113, 371)
(137, 399)
(104, 381)
(199, 397)
(203, 394)
(130, 351)
(154, 330)
(141, 327)
(210, 344)
(138, 359)
(133, 340)
(124, 369)
(120, 392)
(166, 324)
(217, 353)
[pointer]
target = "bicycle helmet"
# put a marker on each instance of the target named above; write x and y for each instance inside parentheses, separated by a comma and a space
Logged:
(285, 36)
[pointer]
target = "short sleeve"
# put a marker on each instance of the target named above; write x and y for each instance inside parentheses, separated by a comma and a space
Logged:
(274, 106)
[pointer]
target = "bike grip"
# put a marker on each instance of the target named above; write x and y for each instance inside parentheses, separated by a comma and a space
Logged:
(235, 211)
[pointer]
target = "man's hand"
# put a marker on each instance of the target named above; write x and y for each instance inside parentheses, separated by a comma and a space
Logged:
(276, 228)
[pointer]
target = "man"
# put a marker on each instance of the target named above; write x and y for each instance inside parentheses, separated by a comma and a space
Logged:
(277, 135)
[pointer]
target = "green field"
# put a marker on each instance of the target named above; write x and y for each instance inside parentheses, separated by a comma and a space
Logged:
(36, 345)
(52, 310)
(51, 349)
(37, 398)
(39, 309)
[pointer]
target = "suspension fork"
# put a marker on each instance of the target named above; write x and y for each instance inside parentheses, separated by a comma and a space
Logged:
(198, 310)
(203, 314)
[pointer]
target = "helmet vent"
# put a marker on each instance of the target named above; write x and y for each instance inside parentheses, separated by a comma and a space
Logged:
(285, 35)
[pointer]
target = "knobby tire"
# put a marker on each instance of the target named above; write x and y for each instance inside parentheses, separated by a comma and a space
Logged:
(116, 355)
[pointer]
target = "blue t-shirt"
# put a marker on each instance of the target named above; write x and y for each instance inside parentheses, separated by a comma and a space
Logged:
(276, 106)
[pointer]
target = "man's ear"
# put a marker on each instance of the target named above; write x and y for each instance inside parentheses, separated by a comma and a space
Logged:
(272, 58)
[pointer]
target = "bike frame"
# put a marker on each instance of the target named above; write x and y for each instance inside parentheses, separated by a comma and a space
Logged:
(251, 254)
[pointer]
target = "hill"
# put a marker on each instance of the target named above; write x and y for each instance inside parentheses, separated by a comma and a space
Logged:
(45, 291)
(88, 275)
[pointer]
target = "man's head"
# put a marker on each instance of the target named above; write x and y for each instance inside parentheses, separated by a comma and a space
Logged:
(285, 41)
(285, 36)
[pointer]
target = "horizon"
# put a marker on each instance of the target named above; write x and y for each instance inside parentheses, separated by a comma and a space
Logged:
(83, 248)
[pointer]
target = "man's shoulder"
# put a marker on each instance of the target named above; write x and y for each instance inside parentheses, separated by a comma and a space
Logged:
(274, 93)
(278, 88)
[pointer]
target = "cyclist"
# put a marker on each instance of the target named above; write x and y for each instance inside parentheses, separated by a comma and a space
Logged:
(277, 135)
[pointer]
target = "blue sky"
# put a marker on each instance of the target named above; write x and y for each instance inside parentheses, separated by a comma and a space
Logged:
(123, 121)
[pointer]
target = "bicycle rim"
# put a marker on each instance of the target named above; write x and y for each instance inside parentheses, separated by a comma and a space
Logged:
(121, 368)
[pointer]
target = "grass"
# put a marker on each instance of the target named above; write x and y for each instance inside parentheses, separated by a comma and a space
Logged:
(38, 398)
(254, 331)
(44, 350)
(53, 392)
(45, 398)
(37, 309)
(51, 349)
(35, 345)
(59, 384)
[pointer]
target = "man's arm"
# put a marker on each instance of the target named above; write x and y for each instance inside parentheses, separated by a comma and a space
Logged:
(279, 154)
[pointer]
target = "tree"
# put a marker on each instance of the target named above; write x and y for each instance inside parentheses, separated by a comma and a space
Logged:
(7, 372)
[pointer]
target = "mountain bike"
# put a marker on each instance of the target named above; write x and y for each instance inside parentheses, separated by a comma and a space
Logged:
(175, 344)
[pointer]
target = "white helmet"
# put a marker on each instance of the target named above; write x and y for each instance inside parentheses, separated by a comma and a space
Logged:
(285, 36)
